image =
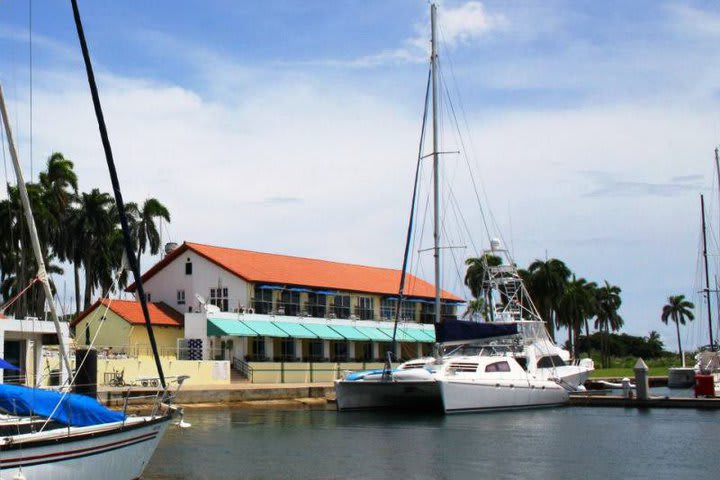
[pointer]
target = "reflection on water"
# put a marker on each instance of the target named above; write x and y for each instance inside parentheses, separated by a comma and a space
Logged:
(556, 443)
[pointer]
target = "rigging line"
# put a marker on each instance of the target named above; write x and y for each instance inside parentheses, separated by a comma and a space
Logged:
(401, 292)
(30, 32)
(467, 161)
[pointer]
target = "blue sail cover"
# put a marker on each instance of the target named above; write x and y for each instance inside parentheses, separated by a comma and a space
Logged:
(75, 410)
(458, 330)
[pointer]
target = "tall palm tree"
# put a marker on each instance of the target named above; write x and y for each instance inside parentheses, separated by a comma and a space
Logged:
(148, 236)
(95, 225)
(577, 305)
(678, 309)
(548, 280)
(475, 278)
(607, 316)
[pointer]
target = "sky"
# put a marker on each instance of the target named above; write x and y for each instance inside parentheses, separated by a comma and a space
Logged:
(293, 127)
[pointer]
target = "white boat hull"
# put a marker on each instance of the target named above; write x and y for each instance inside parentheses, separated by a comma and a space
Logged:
(112, 453)
(388, 395)
(480, 395)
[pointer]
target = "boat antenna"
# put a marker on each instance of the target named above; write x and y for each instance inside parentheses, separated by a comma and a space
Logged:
(707, 275)
(129, 250)
(34, 240)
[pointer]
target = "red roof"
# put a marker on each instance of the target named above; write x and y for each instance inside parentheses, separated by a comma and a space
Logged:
(161, 314)
(306, 272)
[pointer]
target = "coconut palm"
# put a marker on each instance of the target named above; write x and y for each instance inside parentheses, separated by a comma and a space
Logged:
(577, 305)
(678, 309)
(148, 236)
(547, 282)
(607, 316)
(95, 225)
(475, 279)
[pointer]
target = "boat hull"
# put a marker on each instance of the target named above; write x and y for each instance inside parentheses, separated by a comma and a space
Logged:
(116, 453)
(478, 395)
(388, 395)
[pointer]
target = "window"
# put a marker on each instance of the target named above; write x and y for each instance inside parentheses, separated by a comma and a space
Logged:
(287, 349)
(427, 313)
(387, 309)
(448, 311)
(289, 303)
(188, 267)
(498, 367)
(407, 312)
(148, 297)
(341, 304)
(258, 348)
(316, 305)
(262, 303)
(365, 308)
(181, 297)
(316, 350)
(550, 362)
(339, 351)
(365, 351)
(219, 298)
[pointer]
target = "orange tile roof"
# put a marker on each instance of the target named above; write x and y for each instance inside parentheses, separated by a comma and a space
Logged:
(161, 314)
(306, 272)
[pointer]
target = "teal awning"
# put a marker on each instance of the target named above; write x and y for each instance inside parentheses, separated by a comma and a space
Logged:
(265, 329)
(217, 327)
(350, 333)
(428, 335)
(374, 334)
(323, 331)
(295, 330)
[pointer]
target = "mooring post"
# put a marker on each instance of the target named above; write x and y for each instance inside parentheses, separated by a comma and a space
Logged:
(642, 381)
(627, 392)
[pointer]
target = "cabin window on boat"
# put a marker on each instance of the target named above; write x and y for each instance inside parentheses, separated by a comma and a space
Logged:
(498, 367)
(262, 303)
(550, 361)
(365, 308)
(341, 305)
(387, 309)
(316, 304)
(181, 297)
(290, 303)
(219, 298)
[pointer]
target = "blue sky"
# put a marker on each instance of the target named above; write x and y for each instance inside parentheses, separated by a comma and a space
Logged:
(292, 127)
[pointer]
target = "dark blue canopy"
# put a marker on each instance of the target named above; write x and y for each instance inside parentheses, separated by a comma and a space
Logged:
(458, 330)
(75, 410)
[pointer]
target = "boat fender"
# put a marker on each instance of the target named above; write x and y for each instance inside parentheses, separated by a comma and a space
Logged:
(250, 311)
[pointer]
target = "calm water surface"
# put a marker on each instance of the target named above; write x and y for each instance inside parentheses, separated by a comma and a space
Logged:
(572, 443)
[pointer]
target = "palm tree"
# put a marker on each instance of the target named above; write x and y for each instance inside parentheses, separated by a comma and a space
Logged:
(607, 316)
(476, 277)
(678, 309)
(547, 283)
(147, 232)
(577, 305)
(95, 225)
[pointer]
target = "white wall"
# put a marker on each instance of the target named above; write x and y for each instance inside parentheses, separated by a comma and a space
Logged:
(163, 286)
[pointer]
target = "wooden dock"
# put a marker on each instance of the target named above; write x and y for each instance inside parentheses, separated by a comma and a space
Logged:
(601, 400)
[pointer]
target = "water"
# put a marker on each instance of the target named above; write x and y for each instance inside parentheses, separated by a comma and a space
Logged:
(561, 443)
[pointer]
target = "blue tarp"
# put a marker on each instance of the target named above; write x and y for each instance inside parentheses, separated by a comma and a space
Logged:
(459, 330)
(75, 410)
(7, 365)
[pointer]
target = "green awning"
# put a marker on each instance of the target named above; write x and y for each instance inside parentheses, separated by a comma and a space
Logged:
(217, 327)
(323, 331)
(429, 335)
(295, 330)
(350, 333)
(400, 336)
(374, 334)
(417, 333)
(265, 329)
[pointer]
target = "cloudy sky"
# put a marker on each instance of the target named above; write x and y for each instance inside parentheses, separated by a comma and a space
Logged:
(293, 127)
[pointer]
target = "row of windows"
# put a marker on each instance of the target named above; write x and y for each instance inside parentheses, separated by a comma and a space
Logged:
(314, 351)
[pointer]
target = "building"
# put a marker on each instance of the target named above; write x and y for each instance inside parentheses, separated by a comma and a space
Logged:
(269, 307)
(120, 325)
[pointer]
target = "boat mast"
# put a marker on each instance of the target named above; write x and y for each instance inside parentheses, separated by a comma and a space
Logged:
(34, 240)
(436, 149)
(707, 275)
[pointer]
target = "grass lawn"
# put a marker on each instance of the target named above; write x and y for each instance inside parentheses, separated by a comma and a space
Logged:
(625, 372)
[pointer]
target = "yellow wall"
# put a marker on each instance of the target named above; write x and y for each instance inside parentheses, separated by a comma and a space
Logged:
(300, 372)
(136, 369)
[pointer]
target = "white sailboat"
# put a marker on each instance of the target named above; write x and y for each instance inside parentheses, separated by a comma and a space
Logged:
(430, 383)
(64, 436)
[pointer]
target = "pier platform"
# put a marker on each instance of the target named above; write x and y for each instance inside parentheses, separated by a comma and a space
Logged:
(601, 400)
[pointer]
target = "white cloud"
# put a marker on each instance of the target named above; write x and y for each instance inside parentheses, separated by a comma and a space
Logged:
(695, 21)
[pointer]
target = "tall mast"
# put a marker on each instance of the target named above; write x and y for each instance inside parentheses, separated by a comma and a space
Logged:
(34, 240)
(436, 149)
(707, 275)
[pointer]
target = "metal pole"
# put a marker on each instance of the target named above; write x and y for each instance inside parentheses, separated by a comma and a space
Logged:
(707, 275)
(436, 149)
(42, 273)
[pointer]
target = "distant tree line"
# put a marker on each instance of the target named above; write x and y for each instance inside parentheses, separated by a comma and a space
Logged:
(79, 228)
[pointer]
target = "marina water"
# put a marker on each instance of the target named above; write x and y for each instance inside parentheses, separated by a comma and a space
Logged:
(560, 443)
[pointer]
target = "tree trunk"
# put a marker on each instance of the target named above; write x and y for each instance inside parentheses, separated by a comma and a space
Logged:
(677, 326)
(76, 268)
(88, 284)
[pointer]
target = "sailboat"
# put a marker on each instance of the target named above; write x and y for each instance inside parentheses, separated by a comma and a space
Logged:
(60, 435)
(467, 349)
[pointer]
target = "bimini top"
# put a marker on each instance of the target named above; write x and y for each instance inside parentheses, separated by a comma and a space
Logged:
(459, 331)
(75, 410)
